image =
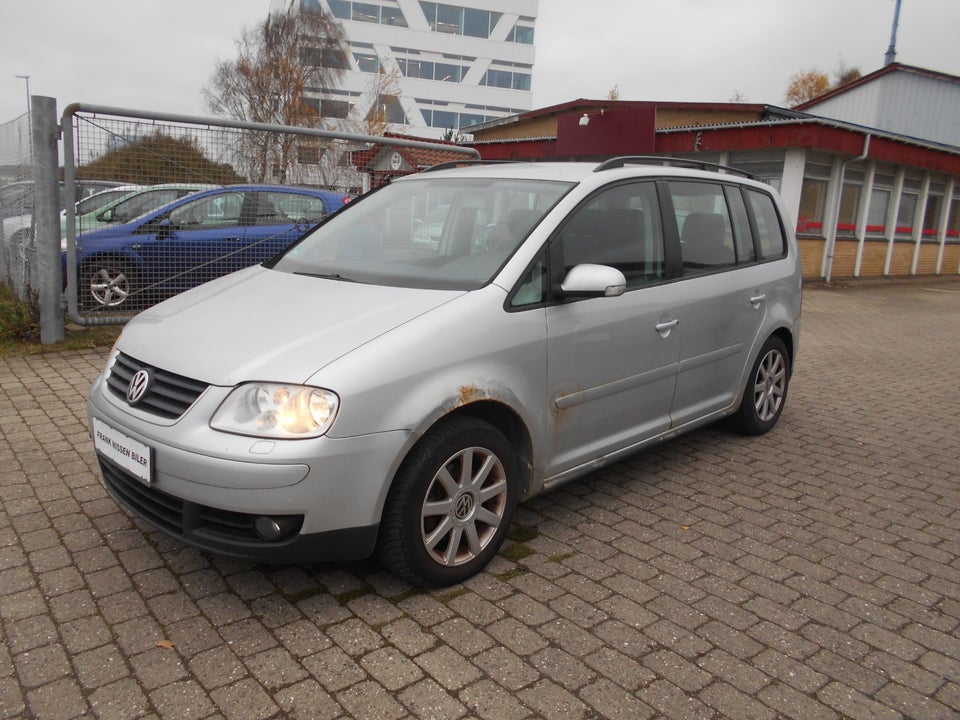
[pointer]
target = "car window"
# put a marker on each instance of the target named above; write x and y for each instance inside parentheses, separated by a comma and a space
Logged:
(532, 289)
(449, 233)
(706, 231)
(93, 203)
(144, 202)
(221, 210)
(619, 227)
(769, 229)
(742, 237)
(296, 208)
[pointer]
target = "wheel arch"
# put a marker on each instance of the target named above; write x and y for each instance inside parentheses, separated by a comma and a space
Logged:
(507, 421)
(787, 338)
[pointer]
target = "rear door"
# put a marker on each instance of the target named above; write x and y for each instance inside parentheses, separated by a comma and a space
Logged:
(724, 296)
(612, 361)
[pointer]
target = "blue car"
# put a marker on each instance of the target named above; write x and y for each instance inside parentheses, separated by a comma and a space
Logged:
(192, 240)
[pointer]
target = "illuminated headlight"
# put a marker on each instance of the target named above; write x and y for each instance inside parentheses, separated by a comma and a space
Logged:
(276, 411)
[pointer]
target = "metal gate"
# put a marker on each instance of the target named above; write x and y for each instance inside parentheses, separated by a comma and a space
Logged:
(185, 199)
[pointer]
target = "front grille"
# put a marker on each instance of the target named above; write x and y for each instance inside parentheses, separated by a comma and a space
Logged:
(169, 394)
(203, 525)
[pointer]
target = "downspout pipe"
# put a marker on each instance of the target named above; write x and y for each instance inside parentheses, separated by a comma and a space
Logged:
(838, 193)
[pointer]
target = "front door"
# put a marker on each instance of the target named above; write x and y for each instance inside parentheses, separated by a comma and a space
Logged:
(612, 361)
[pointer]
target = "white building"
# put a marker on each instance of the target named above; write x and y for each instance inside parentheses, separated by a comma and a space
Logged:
(429, 67)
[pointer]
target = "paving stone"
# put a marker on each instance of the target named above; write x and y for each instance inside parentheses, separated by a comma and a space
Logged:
(809, 573)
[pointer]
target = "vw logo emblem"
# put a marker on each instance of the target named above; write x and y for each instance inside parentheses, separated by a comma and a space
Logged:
(138, 386)
(463, 506)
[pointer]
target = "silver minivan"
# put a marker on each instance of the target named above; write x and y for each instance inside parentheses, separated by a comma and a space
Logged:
(446, 346)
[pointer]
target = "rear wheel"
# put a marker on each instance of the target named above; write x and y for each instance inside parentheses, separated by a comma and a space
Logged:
(766, 390)
(450, 505)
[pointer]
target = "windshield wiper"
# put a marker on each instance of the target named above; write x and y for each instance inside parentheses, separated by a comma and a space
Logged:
(327, 276)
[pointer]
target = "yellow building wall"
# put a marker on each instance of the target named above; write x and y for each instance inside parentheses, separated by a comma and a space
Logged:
(844, 259)
(873, 259)
(902, 260)
(951, 260)
(811, 255)
(927, 262)
(679, 117)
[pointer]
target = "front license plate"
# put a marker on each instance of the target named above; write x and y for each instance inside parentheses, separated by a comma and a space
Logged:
(132, 455)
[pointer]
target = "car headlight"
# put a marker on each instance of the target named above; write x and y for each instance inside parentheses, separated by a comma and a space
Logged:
(276, 410)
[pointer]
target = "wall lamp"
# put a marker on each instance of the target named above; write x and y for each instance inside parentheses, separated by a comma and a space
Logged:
(585, 118)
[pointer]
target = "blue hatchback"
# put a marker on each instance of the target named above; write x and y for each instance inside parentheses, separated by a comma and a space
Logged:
(192, 240)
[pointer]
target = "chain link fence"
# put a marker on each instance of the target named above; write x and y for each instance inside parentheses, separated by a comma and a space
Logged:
(16, 205)
(151, 204)
(191, 202)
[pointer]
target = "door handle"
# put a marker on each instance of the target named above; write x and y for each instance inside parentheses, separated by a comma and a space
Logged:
(664, 328)
(757, 299)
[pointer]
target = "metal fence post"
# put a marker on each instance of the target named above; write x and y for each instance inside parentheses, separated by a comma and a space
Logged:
(46, 216)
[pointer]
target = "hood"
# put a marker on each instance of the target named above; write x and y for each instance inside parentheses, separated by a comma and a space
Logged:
(260, 324)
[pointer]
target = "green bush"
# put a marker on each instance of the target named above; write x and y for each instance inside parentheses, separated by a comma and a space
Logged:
(18, 322)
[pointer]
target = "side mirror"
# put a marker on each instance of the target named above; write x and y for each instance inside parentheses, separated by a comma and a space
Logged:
(106, 215)
(593, 281)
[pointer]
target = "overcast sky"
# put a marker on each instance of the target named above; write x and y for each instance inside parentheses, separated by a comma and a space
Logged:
(157, 54)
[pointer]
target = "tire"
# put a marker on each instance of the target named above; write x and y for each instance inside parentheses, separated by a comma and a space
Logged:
(107, 285)
(450, 505)
(766, 391)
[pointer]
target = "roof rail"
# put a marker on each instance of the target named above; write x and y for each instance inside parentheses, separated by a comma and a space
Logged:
(460, 163)
(624, 160)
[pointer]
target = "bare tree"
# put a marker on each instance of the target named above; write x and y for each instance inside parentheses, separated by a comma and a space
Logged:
(385, 110)
(277, 63)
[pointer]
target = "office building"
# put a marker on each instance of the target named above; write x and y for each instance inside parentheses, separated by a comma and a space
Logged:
(428, 68)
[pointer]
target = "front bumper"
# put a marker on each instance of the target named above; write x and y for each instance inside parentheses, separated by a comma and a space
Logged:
(210, 488)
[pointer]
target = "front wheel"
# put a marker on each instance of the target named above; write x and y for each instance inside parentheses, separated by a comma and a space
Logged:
(766, 390)
(450, 505)
(107, 285)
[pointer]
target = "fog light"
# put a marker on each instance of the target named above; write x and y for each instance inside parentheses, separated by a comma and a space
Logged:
(276, 528)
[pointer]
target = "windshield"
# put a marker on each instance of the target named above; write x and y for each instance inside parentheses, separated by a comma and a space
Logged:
(433, 232)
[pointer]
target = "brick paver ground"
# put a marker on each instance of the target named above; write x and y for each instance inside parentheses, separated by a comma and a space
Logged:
(811, 573)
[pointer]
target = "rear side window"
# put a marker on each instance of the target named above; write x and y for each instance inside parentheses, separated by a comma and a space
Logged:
(769, 228)
(706, 231)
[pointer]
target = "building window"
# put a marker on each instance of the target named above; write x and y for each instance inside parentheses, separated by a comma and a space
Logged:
(813, 195)
(365, 12)
(339, 8)
(392, 16)
(877, 213)
(309, 154)
(849, 202)
(931, 214)
(328, 57)
(521, 34)
(455, 20)
(367, 63)
(388, 109)
(310, 106)
(506, 79)
(906, 213)
(335, 108)
(447, 72)
(953, 218)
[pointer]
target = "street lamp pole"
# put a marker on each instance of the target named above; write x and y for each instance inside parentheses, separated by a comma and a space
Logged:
(26, 79)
